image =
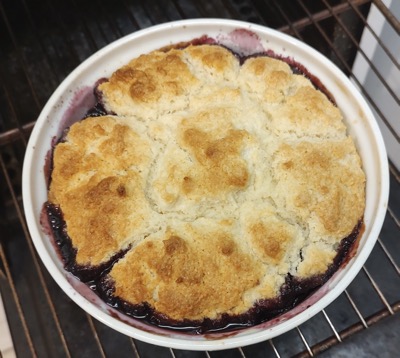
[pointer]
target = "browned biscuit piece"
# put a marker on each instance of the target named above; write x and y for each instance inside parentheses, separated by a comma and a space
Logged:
(97, 182)
(201, 263)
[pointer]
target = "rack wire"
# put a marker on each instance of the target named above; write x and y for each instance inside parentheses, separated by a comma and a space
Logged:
(38, 48)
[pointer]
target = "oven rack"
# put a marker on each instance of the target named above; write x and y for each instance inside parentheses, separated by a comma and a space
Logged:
(41, 42)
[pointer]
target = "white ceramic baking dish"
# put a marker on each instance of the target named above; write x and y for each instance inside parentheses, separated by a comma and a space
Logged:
(74, 96)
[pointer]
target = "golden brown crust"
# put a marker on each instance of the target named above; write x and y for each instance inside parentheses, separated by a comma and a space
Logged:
(270, 241)
(153, 83)
(218, 175)
(308, 113)
(214, 162)
(321, 183)
(96, 181)
(188, 264)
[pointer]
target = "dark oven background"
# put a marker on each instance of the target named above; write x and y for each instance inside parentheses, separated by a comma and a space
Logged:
(41, 42)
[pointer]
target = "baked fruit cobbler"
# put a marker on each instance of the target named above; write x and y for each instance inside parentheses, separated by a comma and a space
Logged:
(206, 190)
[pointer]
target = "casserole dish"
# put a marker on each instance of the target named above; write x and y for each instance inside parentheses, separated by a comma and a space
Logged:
(74, 97)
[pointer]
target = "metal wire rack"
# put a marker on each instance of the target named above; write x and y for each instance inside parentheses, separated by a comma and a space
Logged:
(41, 42)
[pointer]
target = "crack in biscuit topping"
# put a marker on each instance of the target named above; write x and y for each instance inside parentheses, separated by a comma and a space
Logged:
(220, 178)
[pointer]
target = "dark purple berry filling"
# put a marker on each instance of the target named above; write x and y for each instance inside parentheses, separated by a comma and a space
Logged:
(98, 110)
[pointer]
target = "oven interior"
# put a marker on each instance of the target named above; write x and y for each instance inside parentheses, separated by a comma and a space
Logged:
(41, 42)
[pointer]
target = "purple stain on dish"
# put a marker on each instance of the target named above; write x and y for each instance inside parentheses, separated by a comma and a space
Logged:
(81, 101)
(203, 40)
(244, 42)
(86, 102)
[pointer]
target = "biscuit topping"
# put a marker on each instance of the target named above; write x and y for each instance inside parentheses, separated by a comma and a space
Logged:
(220, 181)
